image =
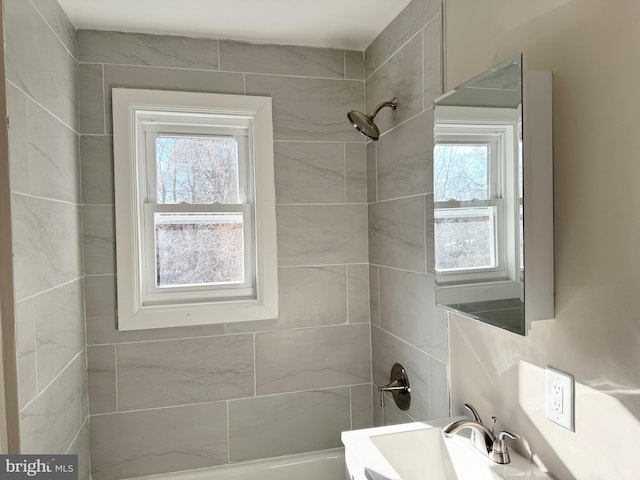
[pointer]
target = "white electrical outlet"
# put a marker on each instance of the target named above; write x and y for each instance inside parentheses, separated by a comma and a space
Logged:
(560, 398)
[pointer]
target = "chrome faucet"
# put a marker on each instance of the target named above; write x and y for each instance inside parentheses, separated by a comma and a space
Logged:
(493, 446)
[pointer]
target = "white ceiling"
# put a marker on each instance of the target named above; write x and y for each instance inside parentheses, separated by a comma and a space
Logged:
(349, 24)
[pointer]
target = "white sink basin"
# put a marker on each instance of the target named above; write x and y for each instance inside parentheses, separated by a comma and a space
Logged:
(418, 451)
(417, 454)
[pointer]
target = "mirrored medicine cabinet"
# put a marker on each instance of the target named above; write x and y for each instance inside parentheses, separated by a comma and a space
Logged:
(493, 197)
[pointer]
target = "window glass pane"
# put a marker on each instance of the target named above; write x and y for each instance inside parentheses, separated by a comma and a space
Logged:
(195, 249)
(461, 172)
(465, 238)
(196, 170)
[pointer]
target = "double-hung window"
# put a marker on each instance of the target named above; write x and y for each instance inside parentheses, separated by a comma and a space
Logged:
(195, 209)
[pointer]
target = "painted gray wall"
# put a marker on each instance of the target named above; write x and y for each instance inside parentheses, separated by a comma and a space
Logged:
(42, 98)
(405, 60)
(182, 398)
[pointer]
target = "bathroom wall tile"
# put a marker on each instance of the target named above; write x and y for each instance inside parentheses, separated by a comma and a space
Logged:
(74, 94)
(378, 411)
(52, 420)
(57, 19)
(397, 233)
(167, 79)
(356, 172)
(36, 61)
(408, 310)
(18, 142)
(312, 296)
(400, 76)
(46, 244)
(388, 350)
(428, 210)
(80, 446)
(358, 288)
(132, 444)
(276, 425)
(292, 360)
(401, 29)
(310, 108)
(322, 234)
(393, 415)
(54, 167)
(100, 300)
(405, 159)
(96, 159)
(372, 172)
(141, 49)
(101, 364)
(98, 223)
(281, 59)
(374, 294)
(26, 349)
(354, 64)
(179, 372)
(439, 389)
(432, 54)
(361, 407)
(309, 172)
(91, 98)
(59, 323)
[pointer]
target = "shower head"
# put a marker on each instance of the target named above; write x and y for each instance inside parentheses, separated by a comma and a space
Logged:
(365, 124)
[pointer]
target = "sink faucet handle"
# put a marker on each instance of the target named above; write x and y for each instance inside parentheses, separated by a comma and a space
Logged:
(500, 449)
(474, 412)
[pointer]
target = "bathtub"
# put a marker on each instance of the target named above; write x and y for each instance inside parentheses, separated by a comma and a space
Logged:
(324, 465)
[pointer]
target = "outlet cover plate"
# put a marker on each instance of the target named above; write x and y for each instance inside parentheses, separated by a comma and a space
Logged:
(560, 398)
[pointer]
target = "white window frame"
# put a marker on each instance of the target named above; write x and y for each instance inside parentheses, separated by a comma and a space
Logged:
(138, 117)
(499, 128)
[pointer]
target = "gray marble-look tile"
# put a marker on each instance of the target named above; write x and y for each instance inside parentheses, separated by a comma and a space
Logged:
(358, 288)
(405, 159)
(292, 360)
(180, 372)
(74, 94)
(393, 415)
(36, 60)
(26, 349)
(52, 420)
(57, 19)
(322, 234)
(388, 350)
(428, 220)
(408, 311)
(59, 320)
(100, 301)
(80, 446)
(310, 108)
(354, 65)
(309, 172)
(91, 98)
(361, 407)
(18, 140)
(98, 227)
(54, 167)
(147, 442)
(155, 78)
(101, 365)
(46, 244)
(378, 411)
(96, 160)
(397, 233)
(276, 425)
(281, 59)
(402, 28)
(141, 49)
(372, 172)
(312, 296)
(439, 389)
(400, 76)
(432, 54)
(356, 172)
(374, 294)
